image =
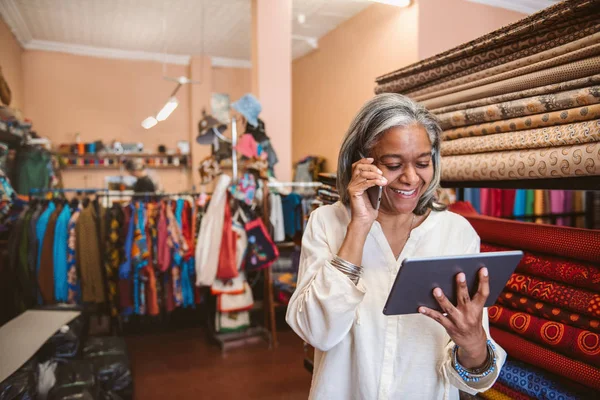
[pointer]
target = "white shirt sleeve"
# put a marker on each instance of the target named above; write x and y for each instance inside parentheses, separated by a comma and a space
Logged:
(323, 308)
(449, 371)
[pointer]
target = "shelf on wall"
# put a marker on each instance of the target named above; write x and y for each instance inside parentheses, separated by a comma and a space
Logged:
(118, 167)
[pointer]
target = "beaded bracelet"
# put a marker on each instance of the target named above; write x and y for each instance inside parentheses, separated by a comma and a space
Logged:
(474, 375)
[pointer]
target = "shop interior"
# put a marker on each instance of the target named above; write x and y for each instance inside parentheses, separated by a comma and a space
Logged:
(160, 160)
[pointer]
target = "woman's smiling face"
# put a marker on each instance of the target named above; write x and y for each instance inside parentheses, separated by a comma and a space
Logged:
(404, 156)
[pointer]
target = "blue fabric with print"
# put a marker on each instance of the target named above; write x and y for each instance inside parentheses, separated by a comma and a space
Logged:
(60, 251)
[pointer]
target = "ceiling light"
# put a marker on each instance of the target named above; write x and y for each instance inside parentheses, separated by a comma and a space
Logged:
(149, 122)
(397, 3)
(301, 19)
(167, 109)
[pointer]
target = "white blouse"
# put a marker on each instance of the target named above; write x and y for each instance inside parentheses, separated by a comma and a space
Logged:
(361, 353)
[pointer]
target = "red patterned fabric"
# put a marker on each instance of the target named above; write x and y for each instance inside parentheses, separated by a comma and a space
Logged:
(578, 300)
(513, 394)
(548, 311)
(551, 361)
(573, 342)
(582, 275)
(572, 243)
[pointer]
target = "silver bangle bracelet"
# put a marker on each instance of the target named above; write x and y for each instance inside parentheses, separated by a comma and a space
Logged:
(352, 271)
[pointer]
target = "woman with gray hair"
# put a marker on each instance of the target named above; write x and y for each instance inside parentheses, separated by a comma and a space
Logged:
(351, 253)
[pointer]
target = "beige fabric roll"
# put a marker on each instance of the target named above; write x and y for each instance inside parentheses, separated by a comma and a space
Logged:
(578, 114)
(556, 136)
(553, 88)
(578, 50)
(521, 107)
(554, 162)
(561, 73)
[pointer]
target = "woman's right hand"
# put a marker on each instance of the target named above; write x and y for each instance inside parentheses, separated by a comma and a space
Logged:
(364, 175)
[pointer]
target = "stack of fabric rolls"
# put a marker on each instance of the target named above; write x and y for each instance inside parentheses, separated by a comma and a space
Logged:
(548, 316)
(522, 102)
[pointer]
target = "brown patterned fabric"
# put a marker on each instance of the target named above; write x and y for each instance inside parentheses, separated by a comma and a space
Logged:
(550, 58)
(571, 115)
(554, 88)
(566, 161)
(517, 59)
(535, 28)
(561, 73)
(522, 107)
(561, 135)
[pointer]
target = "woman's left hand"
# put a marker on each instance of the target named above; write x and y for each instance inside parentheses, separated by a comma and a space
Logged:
(463, 322)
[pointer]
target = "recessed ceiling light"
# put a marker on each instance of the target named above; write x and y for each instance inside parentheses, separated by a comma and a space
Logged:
(301, 19)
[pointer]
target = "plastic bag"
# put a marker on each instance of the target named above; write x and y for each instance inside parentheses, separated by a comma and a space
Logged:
(114, 374)
(66, 342)
(22, 384)
(72, 393)
(104, 345)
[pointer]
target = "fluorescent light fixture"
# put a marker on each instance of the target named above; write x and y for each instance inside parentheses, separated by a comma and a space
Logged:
(167, 109)
(149, 122)
(397, 3)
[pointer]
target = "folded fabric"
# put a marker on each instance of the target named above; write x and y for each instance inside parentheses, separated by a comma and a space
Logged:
(533, 381)
(550, 162)
(531, 122)
(572, 70)
(578, 274)
(493, 394)
(561, 135)
(551, 361)
(521, 107)
(232, 286)
(511, 393)
(536, 28)
(232, 322)
(571, 243)
(236, 302)
(579, 300)
(537, 91)
(573, 50)
(573, 342)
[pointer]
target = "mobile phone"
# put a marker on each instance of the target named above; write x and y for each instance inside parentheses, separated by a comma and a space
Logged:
(374, 192)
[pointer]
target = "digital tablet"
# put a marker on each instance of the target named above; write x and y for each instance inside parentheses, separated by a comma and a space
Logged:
(417, 278)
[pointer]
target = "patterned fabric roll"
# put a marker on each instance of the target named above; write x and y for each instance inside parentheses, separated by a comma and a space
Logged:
(113, 259)
(573, 342)
(527, 32)
(548, 89)
(511, 393)
(571, 243)
(493, 394)
(469, 82)
(522, 107)
(577, 300)
(560, 73)
(577, 114)
(533, 381)
(561, 135)
(538, 356)
(578, 274)
(552, 162)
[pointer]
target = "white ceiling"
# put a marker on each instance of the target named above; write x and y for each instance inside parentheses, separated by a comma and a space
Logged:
(150, 28)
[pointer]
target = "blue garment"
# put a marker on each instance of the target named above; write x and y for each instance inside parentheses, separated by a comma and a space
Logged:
(187, 289)
(520, 203)
(139, 262)
(475, 200)
(177, 259)
(60, 251)
(533, 382)
(292, 214)
(125, 267)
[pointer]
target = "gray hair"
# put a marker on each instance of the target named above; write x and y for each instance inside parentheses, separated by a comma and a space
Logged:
(379, 114)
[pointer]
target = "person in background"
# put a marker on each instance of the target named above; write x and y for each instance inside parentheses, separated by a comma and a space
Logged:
(351, 253)
(144, 184)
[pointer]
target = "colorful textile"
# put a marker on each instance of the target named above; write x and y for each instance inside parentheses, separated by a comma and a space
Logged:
(262, 252)
(227, 268)
(548, 311)
(493, 394)
(530, 122)
(511, 393)
(533, 381)
(125, 273)
(551, 361)
(73, 285)
(577, 300)
(579, 274)
(139, 258)
(61, 237)
(89, 256)
(520, 204)
(573, 342)
(113, 258)
(571, 243)
(538, 28)
(560, 73)
(529, 201)
(163, 250)
(561, 135)
(521, 107)
(570, 51)
(46, 273)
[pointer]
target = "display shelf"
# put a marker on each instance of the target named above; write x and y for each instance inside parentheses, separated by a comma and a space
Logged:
(118, 161)
(117, 167)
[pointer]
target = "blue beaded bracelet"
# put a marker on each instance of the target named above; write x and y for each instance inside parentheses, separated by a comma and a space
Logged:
(475, 375)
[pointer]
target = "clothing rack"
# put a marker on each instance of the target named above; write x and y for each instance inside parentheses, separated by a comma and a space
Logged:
(294, 184)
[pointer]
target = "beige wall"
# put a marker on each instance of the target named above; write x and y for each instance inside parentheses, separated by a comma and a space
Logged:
(234, 81)
(444, 24)
(330, 84)
(11, 64)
